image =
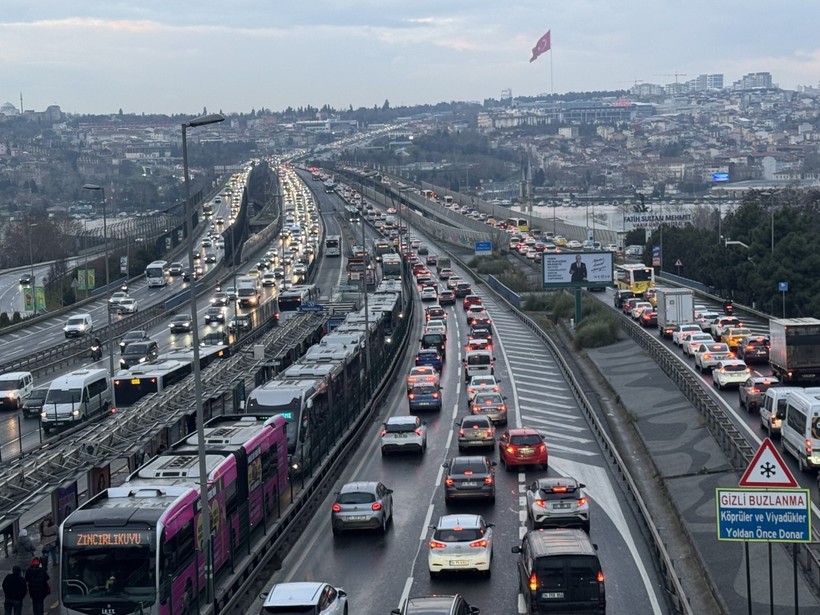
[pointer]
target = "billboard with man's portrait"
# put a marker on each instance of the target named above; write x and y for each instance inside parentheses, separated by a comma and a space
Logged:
(577, 269)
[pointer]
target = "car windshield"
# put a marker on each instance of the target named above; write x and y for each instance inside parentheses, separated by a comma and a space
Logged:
(7, 384)
(475, 424)
(489, 399)
(355, 497)
(134, 348)
(63, 396)
(478, 359)
(525, 440)
(458, 534)
(399, 427)
(291, 609)
(424, 389)
(734, 368)
(75, 321)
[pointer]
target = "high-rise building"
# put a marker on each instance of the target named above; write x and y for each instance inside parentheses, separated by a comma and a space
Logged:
(753, 81)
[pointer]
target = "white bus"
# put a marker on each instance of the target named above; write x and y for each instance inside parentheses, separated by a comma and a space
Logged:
(800, 429)
(295, 297)
(155, 273)
(333, 245)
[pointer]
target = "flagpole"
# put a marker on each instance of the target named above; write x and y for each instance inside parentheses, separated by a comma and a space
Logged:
(552, 88)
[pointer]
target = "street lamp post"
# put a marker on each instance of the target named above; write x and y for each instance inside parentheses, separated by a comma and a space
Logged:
(108, 331)
(205, 520)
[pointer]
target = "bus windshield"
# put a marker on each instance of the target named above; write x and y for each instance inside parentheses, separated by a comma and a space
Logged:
(120, 577)
(642, 275)
(291, 411)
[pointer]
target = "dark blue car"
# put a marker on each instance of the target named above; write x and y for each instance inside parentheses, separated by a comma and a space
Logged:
(429, 356)
(424, 397)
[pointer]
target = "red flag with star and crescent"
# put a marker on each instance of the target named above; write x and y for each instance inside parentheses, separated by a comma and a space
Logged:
(542, 46)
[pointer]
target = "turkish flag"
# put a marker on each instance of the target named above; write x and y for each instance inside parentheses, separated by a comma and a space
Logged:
(544, 44)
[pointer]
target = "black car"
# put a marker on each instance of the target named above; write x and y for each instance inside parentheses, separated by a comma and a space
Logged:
(423, 250)
(621, 296)
(26, 279)
(754, 348)
(469, 477)
(447, 297)
(210, 258)
(240, 322)
(181, 323)
(463, 289)
(33, 404)
(139, 352)
(133, 336)
(214, 315)
(437, 341)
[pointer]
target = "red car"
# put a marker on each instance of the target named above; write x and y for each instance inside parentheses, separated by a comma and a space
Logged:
(419, 269)
(471, 300)
(522, 446)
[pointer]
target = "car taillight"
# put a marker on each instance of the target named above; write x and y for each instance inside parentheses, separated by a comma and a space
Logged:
(435, 395)
(383, 433)
(449, 482)
(534, 582)
(600, 576)
(496, 389)
(337, 508)
(707, 356)
(418, 431)
(582, 502)
(511, 449)
(488, 480)
(468, 472)
(722, 370)
(376, 506)
(411, 395)
(750, 347)
(435, 544)
(731, 355)
(470, 390)
(541, 503)
(479, 544)
(461, 432)
(808, 447)
(541, 447)
(502, 407)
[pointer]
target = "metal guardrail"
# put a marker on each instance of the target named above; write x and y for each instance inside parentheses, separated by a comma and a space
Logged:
(672, 585)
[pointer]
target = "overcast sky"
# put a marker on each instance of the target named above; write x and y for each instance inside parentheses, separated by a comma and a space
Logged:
(179, 56)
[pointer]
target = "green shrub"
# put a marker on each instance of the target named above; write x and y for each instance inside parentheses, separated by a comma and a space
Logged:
(537, 302)
(563, 306)
(16, 317)
(598, 328)
(489, 265)
(4, 319)
(515, 281)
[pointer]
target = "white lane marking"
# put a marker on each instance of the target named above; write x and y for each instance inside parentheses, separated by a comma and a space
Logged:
(570, 449)
(533, 367)
(560, 424)
(405, 593)
(561, 409)
(427, 518)
(516, 413)
(599, 489)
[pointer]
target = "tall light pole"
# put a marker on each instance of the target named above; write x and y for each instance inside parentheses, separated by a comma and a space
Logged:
(31, 264)
(205, 511)
(108, 331)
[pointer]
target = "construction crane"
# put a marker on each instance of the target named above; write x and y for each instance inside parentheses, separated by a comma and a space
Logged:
(675, 75)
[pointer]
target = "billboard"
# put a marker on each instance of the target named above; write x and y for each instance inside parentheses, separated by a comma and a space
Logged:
(576, 269)
(653, 220)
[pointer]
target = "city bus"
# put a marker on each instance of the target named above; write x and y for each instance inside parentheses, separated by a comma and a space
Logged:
(208, 209)
(353, 214)
(519, 224)
(381, 246)
(138, 547)
(155, 274)
(391, 266)
(333, 245)
(293, 298)
(635, 277)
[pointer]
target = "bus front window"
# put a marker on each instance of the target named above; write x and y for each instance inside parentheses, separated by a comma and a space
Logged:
(103, 575)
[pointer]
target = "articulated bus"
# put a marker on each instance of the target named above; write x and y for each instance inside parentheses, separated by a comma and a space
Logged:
(333, 245)
(293, 298)
(391, 266)
(520, 224)
(352, 213)
(137, 548)
(635, 277)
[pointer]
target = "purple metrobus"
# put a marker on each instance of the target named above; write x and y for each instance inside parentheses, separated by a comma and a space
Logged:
(137, 548)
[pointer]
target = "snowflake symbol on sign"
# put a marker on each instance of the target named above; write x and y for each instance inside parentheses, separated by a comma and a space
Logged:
(768, 469)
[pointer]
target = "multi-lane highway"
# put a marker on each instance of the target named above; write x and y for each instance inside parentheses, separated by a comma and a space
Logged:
(379, 572)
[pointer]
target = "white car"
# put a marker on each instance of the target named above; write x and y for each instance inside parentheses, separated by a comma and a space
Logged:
(694, 341)
(423, 374)
(306, 597)
(574, 244)
(731, 372)
(639, 307)
(268, 279)
(436, 326)
(481, 384)
(682, 332)
(460, 542)
(117, 298)
(709, 355)
(705, 318)
(299, 269)
(429, 294)
(127, 306)
(403, 433)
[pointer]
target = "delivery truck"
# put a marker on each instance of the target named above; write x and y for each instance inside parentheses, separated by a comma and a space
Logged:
(795, 350)
(676, 306)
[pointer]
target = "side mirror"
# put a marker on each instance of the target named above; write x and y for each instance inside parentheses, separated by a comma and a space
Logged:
(491, 525)
(581, 485)
(388, 491)
(424, 422)
(445, 465)
(494, 463)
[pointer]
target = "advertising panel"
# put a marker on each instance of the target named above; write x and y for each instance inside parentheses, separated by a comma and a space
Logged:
(576, 269)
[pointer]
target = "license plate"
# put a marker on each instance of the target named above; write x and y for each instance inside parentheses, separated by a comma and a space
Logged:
(561, 505)
(458, 562)
(552, 595)
(469, 484)
(357, 518)
(400, 435)
(526, 452)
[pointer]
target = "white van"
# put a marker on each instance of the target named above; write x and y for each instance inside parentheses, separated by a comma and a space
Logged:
(76, 396)
(15, 387)
(773, 408)
(78, 325)
(800, 429)
(478, 363)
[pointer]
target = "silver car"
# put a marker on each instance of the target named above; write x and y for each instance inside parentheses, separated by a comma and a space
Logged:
(362, 505)
(557, 502)
(708, 356)
(404, 433)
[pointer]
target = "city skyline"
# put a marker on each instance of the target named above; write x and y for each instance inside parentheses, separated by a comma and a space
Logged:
(152, 57)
